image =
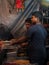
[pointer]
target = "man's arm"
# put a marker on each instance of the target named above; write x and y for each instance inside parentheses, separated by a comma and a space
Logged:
(19, 40)
(24, 44)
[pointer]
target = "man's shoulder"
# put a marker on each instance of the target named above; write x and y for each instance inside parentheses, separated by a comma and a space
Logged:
(33, 27)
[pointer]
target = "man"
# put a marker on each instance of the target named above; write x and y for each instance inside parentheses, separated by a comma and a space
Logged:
(28, 24)
(36, 36)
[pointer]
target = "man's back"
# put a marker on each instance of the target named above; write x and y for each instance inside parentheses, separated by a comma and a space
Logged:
(36, 48)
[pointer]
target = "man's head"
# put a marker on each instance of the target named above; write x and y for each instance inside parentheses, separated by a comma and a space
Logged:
(36, 17)
(28, 22)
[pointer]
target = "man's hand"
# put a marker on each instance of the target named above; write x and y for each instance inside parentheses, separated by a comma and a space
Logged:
(12, 41)
(18, 40)
(24, 44)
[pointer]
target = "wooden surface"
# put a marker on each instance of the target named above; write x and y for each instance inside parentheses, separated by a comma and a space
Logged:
(18, 62)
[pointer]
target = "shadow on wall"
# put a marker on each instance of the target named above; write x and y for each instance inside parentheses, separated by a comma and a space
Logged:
(5, 34)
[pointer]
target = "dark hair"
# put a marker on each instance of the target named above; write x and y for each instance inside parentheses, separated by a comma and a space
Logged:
(28, 20)
(38, 14)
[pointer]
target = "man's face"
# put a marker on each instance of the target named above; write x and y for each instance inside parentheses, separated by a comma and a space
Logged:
(34, 19)
(27, 25)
